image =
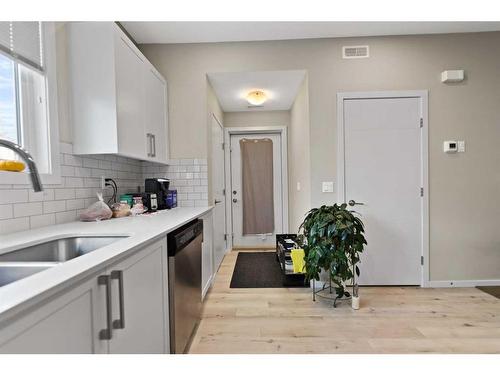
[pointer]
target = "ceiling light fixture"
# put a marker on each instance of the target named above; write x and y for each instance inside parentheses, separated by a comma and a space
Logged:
(256, 97)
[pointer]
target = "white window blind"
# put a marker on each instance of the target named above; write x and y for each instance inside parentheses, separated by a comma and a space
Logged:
(23, 41)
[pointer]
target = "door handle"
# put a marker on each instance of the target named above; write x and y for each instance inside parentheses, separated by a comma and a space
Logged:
(235, 200)
(119, 323)
(217, 201)
(149, 137)
(354, 203)
(154, 145)
(105, 334)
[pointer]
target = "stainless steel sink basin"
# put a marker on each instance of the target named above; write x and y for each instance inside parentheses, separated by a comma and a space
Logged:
(60, 250)
(15, 271)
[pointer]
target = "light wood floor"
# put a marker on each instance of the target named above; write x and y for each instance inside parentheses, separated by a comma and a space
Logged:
(391, 320)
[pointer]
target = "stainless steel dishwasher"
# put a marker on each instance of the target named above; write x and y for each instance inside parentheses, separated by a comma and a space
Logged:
(184, 283)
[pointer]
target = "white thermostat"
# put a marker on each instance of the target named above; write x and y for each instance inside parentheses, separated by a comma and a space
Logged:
(450, 146)
(450, 76)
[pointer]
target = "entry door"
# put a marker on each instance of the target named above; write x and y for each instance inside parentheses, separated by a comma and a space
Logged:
(256, 189)
(383, 169)
(218, 182)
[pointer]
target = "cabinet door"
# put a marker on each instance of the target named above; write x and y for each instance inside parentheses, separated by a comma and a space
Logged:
(156, 113)
(129, 67)
(67, 324)
(144, 293)
(207, 258)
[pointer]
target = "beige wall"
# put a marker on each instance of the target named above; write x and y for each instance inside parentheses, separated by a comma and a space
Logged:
(464, 199)
(299, 160)
(257, 118)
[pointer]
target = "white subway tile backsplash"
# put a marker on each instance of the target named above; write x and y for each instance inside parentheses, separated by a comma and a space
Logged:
(28, 209)
(67, 170)
(90, 163)
(45, 195)
(14, 225)
(6, 211)
(64, 194)
(73, 160)
(13, 196)
(54, 206)
(38, 221)
(65, 217)
(75, 204)
(21, 208)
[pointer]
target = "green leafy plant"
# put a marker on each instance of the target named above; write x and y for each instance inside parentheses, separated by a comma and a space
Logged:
(333, 239)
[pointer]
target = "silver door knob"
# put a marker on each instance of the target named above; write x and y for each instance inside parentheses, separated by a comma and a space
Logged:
(353, 203)
(235, 200)
(217, 201)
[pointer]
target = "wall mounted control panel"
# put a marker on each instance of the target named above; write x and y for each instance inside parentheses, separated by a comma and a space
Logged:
(451, 147)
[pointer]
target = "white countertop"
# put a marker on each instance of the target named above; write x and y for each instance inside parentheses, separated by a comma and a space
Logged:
(23, 293)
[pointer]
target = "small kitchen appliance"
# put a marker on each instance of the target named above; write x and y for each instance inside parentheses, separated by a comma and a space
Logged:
(158, 186)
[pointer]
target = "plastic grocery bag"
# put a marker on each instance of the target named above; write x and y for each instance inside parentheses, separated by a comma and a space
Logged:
(97, 211)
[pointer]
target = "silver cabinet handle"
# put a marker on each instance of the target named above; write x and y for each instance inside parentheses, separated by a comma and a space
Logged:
(105, 334)
(154, 145)
(119, 323)
(353, 203)
(149, 137)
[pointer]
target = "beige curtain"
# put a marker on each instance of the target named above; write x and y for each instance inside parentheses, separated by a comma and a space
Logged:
(257, 185)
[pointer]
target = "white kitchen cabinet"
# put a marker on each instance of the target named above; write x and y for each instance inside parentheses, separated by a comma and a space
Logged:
(118, 99)
(123, 309)
(141, 322)
(68, 323)
(156, 117)
(207, 255)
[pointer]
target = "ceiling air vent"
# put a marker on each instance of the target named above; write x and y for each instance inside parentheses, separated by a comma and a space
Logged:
(355, 52)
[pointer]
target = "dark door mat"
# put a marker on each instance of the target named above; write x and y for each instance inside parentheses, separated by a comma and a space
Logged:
(493, 290)
(258, 270)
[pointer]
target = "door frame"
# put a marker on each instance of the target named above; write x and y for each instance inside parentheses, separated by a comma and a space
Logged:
(226, 242)
(424, 159)
(282, 131)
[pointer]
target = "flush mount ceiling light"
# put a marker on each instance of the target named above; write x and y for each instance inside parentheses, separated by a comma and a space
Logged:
(256, 97)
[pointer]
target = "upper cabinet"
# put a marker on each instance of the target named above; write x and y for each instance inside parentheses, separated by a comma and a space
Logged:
(118, 99)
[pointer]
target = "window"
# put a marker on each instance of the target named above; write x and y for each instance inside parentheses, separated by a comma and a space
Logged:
(27, 83)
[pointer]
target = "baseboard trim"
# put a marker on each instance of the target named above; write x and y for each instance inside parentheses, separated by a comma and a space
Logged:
(207, 287)
(461, 283)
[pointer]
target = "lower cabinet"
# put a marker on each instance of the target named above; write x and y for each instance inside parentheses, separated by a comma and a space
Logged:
(123, 309)
(139, 308)
(207, 255)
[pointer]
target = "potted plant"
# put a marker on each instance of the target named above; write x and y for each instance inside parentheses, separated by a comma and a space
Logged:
(333, 239)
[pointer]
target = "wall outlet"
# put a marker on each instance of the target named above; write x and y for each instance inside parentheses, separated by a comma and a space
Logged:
(327, 187)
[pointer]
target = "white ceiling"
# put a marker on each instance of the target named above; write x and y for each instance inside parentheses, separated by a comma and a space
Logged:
(204, 32)
(281, 88)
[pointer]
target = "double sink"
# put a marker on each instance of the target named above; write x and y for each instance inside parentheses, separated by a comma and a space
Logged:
(24, 262)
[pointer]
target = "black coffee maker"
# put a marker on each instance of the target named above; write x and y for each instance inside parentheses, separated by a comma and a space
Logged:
(159, 186)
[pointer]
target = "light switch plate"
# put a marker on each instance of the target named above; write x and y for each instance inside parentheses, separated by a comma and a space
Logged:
(298, 186)
(461, 146)
(327, 187)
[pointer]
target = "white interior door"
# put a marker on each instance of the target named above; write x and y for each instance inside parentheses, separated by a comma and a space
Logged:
(241, 240)
(218, 186)
(383, 175)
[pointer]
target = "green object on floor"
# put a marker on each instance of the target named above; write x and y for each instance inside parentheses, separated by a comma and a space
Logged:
(298, 260)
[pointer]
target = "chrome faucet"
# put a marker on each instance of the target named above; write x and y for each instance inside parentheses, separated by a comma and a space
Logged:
(35, 177)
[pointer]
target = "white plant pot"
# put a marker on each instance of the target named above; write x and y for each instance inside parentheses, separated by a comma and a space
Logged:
(355, 303)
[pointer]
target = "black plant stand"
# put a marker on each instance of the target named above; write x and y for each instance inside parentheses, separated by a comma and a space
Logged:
(327, 287)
